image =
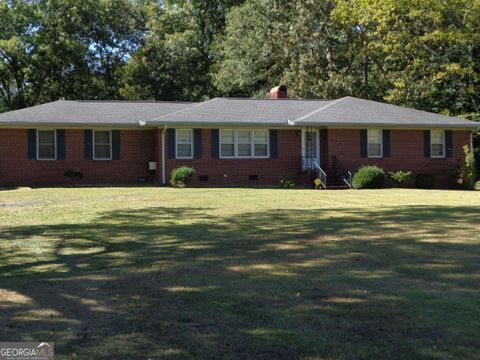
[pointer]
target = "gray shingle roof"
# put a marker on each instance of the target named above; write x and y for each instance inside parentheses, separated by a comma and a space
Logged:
(347, 111)
(242, 111)
(350, 111)
(120, 113)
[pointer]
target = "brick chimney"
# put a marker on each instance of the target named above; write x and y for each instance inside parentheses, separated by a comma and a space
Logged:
(279, 92)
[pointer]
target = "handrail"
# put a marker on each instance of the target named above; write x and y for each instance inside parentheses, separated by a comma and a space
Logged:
(321, 175)
(349, 181)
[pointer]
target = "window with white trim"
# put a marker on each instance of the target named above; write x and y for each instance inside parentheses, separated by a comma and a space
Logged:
(184, 143)
(437, 143)
(102, 144)
(47, 144)
(227, 143)
(244, 143)
(260, 143)
(375, 146)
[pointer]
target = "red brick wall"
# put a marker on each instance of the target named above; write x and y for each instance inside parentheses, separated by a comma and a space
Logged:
(137, 148)
(140, 146)
(407, 153)
(236, 171)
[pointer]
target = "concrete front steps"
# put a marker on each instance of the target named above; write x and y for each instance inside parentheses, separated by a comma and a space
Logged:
(335, 182)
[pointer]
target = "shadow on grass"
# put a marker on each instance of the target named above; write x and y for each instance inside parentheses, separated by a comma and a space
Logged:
(175, 283)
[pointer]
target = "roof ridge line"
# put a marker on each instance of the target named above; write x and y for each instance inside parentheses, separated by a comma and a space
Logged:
(269, 99)
(301, 118)
(133, 101)
(175, 112)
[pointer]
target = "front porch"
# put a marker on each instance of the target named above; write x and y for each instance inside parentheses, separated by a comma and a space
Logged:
(323, 171)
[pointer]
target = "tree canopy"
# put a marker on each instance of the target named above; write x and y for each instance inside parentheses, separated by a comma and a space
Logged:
(417, 53)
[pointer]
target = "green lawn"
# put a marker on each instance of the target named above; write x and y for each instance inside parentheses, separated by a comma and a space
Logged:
(137, 273)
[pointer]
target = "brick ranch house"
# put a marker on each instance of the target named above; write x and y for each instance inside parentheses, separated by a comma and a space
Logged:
(227, 141)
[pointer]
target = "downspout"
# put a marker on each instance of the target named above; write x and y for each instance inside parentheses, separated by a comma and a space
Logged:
(164, 181)
(471, 141)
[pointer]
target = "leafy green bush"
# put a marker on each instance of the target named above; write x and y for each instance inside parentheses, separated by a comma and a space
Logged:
(73, 174)
(369, 177)
(466, 176)
(425, 181)
(399, 177)
(287, 184)
(181, 176)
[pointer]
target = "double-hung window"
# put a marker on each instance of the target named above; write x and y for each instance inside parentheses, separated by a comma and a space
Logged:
(227, 143)
(437, 143)
(244, 143)
(184, 144)
(102, 145)
(375, 143)
(47, 144)
(260, 143)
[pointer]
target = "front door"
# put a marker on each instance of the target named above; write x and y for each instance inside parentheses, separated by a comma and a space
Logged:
(310, 148)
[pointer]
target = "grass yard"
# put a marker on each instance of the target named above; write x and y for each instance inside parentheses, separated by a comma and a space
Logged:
(137, 273)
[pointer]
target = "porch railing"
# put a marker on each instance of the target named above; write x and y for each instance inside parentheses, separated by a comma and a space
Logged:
(321, 174)
(348, 179)
(310, 163)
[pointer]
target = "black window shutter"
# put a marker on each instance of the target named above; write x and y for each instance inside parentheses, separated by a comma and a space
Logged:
(363, 143)
(171, 143)
(32, 144)
(426, 143)
(116, 144)
(197, 143)
(448, 143)
(88, 144)
(215, 143)
(273, 143)
(386, 143)
(60, 144)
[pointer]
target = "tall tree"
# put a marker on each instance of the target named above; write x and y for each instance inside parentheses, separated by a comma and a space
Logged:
(419, 53)
(18, 23)
(86, 43)
(321, 61)
(428, 51)
(254, 49)
(294, 42)
(65, 48)
(175, 62)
